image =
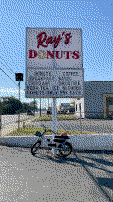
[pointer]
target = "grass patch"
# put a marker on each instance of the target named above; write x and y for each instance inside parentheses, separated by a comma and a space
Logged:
(31, 130)
(59, 117)
(23, 120)
(43, 118)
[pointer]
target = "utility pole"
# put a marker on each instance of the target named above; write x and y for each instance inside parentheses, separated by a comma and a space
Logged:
(34, 106)
(40, 106)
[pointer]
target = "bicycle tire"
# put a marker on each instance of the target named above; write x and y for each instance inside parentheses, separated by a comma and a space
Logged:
(69, 146)
(35, 147)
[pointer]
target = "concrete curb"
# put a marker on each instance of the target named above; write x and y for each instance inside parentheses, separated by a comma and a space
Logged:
(79, 142)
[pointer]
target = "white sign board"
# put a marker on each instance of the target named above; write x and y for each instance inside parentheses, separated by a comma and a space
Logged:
(44, 46)
(57, 83)
(54, 65)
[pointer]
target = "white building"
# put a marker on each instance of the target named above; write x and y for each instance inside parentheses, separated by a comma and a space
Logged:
(97, 102)
(75, 102)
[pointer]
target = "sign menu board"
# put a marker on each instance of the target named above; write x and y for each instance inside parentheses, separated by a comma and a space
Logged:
(57, 83)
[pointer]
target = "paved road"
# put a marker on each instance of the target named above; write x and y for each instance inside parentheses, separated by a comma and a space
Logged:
(41, 178)
(96, 126)
(9, 119)
(9, 122)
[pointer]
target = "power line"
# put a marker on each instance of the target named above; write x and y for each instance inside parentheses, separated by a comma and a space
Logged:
(8, 76)
(9, 67)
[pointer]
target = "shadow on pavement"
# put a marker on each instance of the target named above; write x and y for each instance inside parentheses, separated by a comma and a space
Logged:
(100, 161)
(94, 151)
(107, 182)
(70, 161)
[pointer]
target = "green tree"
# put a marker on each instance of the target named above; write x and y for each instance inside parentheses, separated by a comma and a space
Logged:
(11, 105)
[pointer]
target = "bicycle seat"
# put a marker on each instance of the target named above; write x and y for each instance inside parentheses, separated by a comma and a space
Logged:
(61, 137)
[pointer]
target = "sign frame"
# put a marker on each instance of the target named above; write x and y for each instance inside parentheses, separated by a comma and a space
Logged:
(54, 68)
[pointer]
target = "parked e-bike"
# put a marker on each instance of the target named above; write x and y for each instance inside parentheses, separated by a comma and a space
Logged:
(60, 144)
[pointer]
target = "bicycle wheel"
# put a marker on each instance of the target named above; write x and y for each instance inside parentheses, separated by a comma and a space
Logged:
(35, 147)
(67, 151)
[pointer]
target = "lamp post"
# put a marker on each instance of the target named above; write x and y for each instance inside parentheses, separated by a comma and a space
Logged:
(19, 109)
(19, 77)
(0, 118)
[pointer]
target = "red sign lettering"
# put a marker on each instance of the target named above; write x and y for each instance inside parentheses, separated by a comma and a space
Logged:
(32, 54)
(52, 54)
(42, 37)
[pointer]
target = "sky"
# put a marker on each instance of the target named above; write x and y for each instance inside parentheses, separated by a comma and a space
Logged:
(95, 18)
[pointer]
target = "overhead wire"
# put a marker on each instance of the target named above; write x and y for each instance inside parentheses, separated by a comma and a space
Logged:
(11, 79)
(9, 67)
(8, 75)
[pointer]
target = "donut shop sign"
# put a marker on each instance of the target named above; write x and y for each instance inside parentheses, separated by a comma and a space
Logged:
(48, 46)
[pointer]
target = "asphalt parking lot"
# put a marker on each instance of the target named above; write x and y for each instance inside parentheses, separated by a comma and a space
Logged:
(80, 177)
(88, 125)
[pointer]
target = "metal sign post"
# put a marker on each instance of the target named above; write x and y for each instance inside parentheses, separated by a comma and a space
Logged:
(80, 117)
(40, 106)
(54, 104)
(54, 120)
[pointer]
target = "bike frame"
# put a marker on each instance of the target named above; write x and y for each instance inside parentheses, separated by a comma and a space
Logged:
(41, 138)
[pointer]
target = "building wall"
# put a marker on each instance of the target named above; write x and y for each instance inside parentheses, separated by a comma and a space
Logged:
(58, 108)
(94, 104)
(94, 91)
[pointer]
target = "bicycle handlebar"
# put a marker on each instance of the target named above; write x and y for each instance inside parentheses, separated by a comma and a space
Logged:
(48, 129)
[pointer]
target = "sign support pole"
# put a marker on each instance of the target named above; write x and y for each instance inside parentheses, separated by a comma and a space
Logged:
(54, 119)
(80, 117)
(40, 106)
(54, 104)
